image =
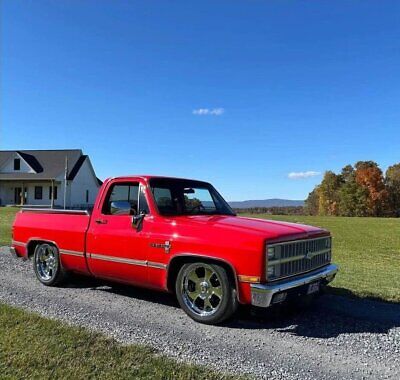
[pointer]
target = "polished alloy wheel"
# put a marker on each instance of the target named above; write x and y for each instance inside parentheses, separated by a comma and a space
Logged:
(201, 289)
(46, 262)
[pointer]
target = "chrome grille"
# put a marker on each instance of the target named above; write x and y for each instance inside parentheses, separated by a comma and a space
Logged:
(296, 257)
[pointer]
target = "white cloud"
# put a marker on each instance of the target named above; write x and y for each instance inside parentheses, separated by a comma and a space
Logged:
(301, 175)
(209, 111)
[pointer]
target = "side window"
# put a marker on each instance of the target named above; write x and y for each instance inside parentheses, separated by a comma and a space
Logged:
(122, 192)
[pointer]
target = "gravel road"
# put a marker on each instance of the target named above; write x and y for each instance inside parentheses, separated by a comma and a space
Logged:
(338, 338)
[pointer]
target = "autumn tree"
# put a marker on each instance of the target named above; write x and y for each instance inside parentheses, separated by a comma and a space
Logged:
(392, 181)
(328, 193)
(361, 190)
(369, 176)
(353, 197)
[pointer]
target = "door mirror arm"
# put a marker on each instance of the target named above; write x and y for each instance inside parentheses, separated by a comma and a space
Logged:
(137, 220)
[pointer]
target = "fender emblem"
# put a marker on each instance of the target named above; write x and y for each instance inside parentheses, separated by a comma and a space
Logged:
(167, 246)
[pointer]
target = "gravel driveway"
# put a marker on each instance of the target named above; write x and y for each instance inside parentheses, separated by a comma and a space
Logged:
(338, 338)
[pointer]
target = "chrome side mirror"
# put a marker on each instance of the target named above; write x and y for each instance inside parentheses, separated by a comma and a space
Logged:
(120, 208)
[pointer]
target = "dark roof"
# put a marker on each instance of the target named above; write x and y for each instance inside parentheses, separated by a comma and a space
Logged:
(31, 161)
(76, 167)
(48, 164)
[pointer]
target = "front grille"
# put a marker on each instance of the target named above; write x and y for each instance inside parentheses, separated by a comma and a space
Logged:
(296, 257)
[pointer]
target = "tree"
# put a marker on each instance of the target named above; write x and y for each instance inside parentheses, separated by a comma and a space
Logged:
(353, 197)
(328, 192)
(369, 176)
(392, 181)
(348, 173)
(312, 202)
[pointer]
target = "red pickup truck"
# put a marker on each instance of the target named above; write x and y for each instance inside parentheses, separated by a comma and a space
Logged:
(180, 236)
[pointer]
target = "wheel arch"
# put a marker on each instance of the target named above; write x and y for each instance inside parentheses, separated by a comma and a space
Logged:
(179, 260)
(34, 242)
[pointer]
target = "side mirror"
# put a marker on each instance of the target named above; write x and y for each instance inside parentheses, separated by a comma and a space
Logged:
(120, 208)
(137, 220)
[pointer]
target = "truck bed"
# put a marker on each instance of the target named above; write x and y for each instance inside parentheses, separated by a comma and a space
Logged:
(65, 228)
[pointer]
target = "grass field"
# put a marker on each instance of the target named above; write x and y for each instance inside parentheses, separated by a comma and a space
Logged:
(32, 347)
(6, 218)
(367, 251)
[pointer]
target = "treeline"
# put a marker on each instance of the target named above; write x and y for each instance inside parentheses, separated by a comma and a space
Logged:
(289, 210)
(359, 190)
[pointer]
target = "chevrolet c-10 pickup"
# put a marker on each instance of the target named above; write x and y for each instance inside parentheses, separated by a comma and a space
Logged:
(180, 236)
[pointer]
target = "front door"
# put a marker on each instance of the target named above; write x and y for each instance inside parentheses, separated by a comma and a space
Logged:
(116, 250)
(18, 194)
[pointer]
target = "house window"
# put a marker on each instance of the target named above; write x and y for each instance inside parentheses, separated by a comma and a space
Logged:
(87, 196)
(51, 191)
(38, 192)
(17, 164)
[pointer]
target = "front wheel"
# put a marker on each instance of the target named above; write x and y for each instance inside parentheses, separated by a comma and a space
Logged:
(205, 292)
(47, 265)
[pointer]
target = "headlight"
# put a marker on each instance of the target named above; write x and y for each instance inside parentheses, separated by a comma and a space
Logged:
(328, 242)
(271, 253)
(271, 271)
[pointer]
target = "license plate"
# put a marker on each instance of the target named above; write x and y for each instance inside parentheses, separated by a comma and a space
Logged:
(313, 288)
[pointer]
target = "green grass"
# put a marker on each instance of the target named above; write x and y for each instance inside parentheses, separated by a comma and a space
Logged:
(34, 347)
(7, 215)
(367, 251)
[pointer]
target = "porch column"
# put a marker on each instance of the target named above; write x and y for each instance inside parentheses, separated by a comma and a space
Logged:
(52, 193)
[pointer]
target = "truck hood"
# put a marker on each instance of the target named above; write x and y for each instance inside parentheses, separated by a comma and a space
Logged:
(267, 229)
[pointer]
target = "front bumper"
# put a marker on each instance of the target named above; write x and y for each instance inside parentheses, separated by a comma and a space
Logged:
(262, 294)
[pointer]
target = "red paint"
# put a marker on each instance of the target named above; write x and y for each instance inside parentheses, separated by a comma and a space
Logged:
(237, 241)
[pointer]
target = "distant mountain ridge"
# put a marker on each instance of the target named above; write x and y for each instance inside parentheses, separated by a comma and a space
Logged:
(275, 202)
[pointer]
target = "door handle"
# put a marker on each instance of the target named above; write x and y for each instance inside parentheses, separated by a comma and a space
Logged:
(101, 221)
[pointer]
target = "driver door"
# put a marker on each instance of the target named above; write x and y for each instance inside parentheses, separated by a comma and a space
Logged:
(115, 248)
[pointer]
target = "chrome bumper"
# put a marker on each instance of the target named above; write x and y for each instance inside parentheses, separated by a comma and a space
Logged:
(262, 294)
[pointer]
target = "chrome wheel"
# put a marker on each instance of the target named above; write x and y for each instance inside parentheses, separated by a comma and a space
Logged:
(201, 289)
(46, 262)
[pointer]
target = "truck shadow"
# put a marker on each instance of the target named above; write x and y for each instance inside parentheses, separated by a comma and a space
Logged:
(328, 317)
(122, 290)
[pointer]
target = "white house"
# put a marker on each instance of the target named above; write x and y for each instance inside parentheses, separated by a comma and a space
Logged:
(42, 177)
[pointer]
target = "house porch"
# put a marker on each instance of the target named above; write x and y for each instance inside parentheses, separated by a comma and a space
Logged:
(38, 193)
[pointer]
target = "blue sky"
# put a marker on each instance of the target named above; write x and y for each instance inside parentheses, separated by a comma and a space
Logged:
(239, 93)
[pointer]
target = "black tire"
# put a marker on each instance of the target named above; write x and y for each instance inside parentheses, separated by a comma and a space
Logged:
(48, 271)
(216, 301)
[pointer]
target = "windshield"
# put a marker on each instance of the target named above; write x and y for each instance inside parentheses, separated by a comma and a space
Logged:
(186, 197)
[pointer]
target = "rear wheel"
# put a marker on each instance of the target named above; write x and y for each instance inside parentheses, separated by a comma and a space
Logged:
(205, 292)
(47, 265)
